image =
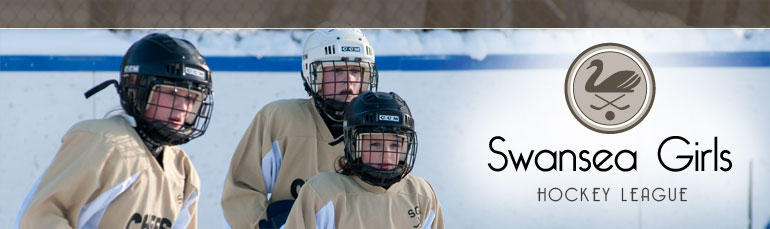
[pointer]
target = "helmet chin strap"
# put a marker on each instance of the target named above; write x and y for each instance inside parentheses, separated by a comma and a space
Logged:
(100, 87)
(382, 178)
(334, 109)
(153, 146)
(154, 130)
(337, 107)
(340, 139)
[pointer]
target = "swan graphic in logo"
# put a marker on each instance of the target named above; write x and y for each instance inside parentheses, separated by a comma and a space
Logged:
(609, 88)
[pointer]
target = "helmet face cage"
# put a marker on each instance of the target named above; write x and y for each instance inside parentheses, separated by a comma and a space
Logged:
(381, 156)
(341, 80)
(170, 111)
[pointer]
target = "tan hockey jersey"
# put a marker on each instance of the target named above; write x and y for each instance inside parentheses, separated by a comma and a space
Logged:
(331, 200)
(286, 144)
(104, 177)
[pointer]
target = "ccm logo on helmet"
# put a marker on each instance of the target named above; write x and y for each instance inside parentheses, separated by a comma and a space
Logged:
(195, 72)
(131, 69)
(351, 49)
(391, 118)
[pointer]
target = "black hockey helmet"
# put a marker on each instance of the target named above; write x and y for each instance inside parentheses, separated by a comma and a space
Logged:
(165, 76)
(380, 139)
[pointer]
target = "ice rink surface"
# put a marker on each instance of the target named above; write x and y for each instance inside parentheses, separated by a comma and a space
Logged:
(456, 114)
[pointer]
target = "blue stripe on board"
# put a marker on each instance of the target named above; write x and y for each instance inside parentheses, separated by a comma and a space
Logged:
(60, 63)
(389, 63)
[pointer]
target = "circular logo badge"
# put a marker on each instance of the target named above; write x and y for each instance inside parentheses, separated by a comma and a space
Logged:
(609, 88)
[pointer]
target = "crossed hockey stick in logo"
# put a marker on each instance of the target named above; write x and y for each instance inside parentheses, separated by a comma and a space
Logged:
(619, 82)
(608, 103)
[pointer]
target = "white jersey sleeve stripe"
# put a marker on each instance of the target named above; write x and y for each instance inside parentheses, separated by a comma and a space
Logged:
(183, 219)
(429, 220)
(271, 164)
(26, 202)
(92, 212)
(324, 219)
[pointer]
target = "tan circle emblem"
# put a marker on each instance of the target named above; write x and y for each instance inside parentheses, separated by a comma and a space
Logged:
(609, 88)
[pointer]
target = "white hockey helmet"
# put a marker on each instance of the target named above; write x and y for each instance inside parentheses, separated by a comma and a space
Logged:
(335, 47)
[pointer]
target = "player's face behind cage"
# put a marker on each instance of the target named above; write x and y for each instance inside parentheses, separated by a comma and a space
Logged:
(382, 151)
(173, 111)
(343, 80)
(175, 107)
(385, 155)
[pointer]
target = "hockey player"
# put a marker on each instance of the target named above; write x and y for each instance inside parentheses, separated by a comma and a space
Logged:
(290, 141)
(126, 171)
(372, 187)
